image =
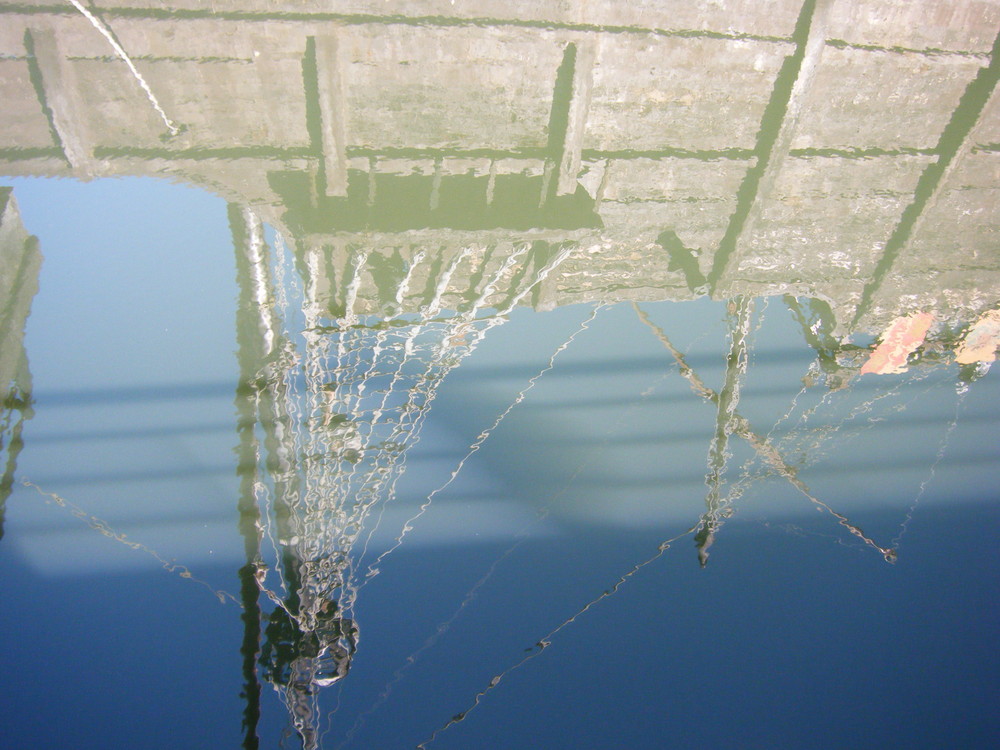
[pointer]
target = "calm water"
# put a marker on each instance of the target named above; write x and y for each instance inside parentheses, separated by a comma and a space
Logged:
(479, 375)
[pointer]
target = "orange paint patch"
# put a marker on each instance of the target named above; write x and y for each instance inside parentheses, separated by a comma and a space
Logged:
(981, 342)
(899, 341)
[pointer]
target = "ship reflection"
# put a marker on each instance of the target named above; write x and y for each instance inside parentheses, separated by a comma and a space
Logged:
(326, 424)
(333, 398)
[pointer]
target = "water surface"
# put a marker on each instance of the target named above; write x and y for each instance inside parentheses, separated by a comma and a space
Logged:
(499, 375)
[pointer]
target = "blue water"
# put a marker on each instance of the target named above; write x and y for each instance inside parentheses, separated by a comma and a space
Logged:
(796, 633)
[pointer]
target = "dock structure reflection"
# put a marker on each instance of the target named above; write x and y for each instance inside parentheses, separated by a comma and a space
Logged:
(747, 135)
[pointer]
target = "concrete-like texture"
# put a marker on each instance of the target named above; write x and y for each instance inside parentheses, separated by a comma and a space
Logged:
(790, 148)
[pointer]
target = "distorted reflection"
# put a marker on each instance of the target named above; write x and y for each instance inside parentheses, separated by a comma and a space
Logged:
(20, 261)
(399, 187)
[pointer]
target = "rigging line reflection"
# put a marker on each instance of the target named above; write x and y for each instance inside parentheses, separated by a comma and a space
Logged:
(762, 447)
(716, 509)
(441, 630)
(379, 346)
(818, 335)
(453, 342)
(427, 312)
(482, 438)
(821, 433)
(372, 492)
(106, 32)
(625, 417)
(546, 640)
(383, 333)
(356, 263)
(807, 443)
(407, 434)
(942, 447)
(380, 484)
(335, 449)
(102, 527)
(434, 306)
(796, 530)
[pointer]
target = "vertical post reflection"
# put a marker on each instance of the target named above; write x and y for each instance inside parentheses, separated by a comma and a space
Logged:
(20, 263)
(249, 357)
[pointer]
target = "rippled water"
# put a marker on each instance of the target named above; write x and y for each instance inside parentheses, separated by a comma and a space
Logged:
(479, 375)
